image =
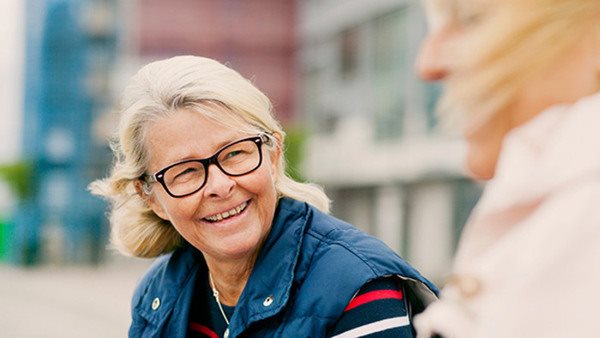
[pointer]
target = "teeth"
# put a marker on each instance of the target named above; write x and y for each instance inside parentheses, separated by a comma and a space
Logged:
(227, 214)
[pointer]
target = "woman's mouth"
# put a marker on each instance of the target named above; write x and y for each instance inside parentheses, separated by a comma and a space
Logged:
(227, 214)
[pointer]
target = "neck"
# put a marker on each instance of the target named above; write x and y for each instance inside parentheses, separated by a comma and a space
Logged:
(229, 278)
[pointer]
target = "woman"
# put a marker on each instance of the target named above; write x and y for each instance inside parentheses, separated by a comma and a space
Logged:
(523, 83)
(200, 177)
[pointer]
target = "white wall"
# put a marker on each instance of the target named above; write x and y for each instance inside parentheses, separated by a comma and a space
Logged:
(389, 216)
(431, 232)
(12, 56)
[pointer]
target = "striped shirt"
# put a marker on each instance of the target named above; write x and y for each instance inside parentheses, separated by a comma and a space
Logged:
(378, 310)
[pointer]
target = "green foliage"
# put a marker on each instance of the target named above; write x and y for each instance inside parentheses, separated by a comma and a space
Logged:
(19, 176)
(294, 151)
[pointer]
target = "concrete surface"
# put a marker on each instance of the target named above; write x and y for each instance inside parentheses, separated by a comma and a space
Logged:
(65, 302)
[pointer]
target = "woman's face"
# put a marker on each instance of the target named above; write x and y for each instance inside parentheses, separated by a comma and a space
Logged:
(252, 197)
(575, 75)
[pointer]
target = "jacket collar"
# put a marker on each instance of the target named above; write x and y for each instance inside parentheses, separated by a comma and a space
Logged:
(268, 288)
(170, 289)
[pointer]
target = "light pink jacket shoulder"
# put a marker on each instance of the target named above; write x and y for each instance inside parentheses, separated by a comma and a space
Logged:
(528, 264)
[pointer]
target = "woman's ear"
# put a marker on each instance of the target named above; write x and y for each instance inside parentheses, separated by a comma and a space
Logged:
(144, 191)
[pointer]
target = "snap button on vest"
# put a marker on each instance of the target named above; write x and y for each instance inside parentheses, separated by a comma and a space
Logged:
(268, 301)
(155, 303)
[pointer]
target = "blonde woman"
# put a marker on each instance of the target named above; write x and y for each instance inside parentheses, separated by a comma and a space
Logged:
(199, 178)
(523, 86)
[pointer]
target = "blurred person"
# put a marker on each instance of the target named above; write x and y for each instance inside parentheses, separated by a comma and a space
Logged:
(523, 85)
(199, 180)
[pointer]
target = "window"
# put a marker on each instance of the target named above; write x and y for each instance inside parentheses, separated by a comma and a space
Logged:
(349, 53)
(389, 69)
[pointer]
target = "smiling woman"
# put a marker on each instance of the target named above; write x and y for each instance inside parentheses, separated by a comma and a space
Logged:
(246, 251)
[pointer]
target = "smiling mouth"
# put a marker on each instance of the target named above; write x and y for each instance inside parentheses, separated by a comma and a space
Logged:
(227, 214)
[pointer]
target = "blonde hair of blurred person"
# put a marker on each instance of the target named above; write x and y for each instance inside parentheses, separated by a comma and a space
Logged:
(522, 84)
(495, 55)
(156, 91)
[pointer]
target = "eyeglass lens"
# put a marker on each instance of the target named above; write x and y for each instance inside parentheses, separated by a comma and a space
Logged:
(234, 160)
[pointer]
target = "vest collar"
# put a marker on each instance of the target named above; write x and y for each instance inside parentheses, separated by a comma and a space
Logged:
(269, 285)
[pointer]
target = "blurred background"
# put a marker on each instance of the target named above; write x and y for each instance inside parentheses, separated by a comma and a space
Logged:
(340, 75)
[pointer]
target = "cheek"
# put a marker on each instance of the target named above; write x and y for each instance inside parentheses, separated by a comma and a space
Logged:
(179, 210)
(262, 185)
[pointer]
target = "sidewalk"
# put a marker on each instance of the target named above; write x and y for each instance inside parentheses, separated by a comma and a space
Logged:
(65, 302)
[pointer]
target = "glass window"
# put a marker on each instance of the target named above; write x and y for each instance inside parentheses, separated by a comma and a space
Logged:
(389, 69)
(320, 119)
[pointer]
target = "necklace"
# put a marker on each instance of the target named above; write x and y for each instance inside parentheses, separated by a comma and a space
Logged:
(216, 295)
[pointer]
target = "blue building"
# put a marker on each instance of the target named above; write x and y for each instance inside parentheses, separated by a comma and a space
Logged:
(71, 45)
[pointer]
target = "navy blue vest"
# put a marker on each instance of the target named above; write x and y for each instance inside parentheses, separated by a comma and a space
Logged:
(309, 268)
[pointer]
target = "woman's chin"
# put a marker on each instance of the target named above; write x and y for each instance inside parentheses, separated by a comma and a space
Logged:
(240, 248)
(480, 170)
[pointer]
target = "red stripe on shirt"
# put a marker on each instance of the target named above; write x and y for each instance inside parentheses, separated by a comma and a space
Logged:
(204, 330)
(373, 296)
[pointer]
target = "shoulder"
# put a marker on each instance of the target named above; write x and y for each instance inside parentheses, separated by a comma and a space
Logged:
(331, 236)
(324, 235)
(169, 271)
(155, 269)
(334, 248)
(162, 293)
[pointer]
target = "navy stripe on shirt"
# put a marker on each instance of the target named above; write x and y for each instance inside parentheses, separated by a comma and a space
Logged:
(377, 310)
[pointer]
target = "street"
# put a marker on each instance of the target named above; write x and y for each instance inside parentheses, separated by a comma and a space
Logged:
(68, 301)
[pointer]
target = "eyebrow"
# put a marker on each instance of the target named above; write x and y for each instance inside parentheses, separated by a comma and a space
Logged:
(218, 147)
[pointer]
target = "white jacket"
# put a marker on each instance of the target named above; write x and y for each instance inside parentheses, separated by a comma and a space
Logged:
(528, 264)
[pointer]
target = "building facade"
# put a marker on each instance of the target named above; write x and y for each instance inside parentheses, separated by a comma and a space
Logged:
(69, 51)
(256, 38)
(375, 143)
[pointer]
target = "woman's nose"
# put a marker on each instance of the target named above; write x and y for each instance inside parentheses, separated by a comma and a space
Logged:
(218, 184)
(432, 63)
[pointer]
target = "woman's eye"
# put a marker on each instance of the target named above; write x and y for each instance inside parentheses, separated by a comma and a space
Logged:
(186, 172)
(470, 19)
(233, 153)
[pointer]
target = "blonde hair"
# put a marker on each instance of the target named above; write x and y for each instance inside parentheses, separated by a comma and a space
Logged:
(516, 41)
(162, 88)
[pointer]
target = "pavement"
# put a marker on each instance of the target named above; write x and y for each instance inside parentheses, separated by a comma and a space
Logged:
(68, 301)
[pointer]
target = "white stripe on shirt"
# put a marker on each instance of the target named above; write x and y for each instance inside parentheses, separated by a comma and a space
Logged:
(371, 328)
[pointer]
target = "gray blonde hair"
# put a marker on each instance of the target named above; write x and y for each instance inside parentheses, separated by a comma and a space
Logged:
(518, 40)
(162, 88)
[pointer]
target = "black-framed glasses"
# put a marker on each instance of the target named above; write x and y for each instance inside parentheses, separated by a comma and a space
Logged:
(235, 159)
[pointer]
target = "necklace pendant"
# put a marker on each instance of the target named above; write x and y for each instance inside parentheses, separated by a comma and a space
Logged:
(226, 333)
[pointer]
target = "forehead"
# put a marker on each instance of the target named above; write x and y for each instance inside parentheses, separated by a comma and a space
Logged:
(186, 134)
